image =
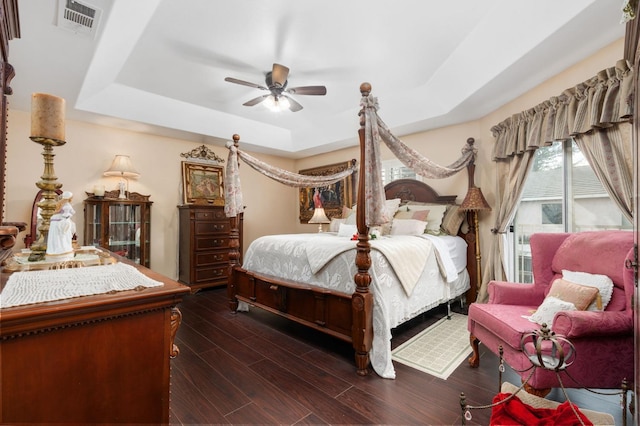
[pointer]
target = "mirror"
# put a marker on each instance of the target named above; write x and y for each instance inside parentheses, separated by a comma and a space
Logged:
(32, 236)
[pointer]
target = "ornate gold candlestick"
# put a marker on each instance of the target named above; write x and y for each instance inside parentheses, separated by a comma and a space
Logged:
(48, 183)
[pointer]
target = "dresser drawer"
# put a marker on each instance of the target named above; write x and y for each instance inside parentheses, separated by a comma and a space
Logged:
(216, 273)
(212, 227)
(208, 243)
(209, 215)
(211, 258)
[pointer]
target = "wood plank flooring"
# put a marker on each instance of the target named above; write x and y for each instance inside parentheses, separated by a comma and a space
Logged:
(258, 368)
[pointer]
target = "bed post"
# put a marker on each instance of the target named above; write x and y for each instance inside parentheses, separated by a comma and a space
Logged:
(473, 261)
(362, 299)
(234, 252)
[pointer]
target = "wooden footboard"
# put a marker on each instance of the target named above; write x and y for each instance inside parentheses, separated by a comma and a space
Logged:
(318, 308)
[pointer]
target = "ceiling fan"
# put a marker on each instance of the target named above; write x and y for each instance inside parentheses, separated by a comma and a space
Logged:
(276, 83)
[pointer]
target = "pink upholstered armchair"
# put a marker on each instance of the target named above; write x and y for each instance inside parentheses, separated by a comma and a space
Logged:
(603, 340)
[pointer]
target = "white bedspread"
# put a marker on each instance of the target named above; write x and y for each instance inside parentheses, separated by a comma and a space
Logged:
(406, 254)
(286, 256)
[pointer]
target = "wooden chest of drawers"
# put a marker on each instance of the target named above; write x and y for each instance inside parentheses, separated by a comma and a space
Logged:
(204, 246)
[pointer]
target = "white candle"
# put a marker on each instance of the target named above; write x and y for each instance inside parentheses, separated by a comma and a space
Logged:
(47, 116)
(98, 190)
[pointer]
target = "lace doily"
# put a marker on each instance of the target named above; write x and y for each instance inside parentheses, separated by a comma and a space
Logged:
(24, 288)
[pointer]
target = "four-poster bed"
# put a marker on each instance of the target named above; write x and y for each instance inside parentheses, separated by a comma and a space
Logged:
(345, 309)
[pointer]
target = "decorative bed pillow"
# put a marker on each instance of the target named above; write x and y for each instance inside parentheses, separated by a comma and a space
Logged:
(334, 226)
(549, 308)
(603, 283)
(436, 215)
(346, 212)
(452, 220)
(417, 215)
(580, 295)
(408, 227)
(347, 230)
(392, 206)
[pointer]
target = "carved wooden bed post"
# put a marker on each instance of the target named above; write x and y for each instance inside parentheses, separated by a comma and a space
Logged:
(234, 252)
(473, 261)
(362, 299)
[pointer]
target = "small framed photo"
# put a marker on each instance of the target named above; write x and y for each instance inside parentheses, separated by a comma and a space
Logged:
(202, 184)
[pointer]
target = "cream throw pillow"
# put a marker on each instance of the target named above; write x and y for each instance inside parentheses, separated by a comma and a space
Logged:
(407, 227)
(603, 283)
(549, 308)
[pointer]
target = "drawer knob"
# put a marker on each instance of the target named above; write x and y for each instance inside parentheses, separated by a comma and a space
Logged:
(273, 287)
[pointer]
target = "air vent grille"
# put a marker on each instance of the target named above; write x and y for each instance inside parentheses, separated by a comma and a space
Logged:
(78, 17)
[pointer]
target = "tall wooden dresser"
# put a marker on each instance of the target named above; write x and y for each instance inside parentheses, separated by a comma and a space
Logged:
(204, 246)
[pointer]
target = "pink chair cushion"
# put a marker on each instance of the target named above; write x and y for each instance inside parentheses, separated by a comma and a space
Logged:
(505, 321)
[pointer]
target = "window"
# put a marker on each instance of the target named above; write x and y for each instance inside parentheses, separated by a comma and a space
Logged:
(394, 170)
(562, 194)
(551, 213)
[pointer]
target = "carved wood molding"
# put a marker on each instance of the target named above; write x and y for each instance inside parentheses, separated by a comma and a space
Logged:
(202, 153)
(176, 320)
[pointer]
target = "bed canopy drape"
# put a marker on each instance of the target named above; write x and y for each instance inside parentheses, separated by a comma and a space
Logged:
(376, 131)
(596, 114)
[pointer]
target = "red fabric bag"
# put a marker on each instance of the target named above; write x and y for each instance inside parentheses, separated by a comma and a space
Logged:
(516, 412)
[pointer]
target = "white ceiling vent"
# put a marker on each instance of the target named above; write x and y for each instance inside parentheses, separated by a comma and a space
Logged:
(79, 17)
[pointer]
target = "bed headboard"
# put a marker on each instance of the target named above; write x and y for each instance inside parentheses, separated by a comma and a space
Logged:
(415, 190)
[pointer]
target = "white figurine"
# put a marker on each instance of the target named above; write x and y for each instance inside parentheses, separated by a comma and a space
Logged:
(122, 186)
(61, 227)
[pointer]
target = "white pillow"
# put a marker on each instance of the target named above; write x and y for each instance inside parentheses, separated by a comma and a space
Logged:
(408, 227)
(602, 282)
(334, 226)
(436, 215)
(391, 206)
(346, 230)
(549, 308)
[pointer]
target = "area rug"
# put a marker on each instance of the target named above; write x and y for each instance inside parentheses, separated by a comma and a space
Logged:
(439, 349)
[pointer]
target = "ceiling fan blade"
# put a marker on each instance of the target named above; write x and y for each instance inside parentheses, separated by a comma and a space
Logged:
(293, 105)
(244, 83)
(308, 90)
(279, 74)
(256, 101)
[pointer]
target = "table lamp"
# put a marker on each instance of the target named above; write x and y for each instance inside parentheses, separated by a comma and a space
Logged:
(319, 217)
(474, 201)
(122, 167)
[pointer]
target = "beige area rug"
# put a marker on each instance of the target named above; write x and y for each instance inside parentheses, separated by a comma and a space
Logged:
(439, 349)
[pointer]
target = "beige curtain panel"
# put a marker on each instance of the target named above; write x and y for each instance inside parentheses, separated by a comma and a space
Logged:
(596, 114)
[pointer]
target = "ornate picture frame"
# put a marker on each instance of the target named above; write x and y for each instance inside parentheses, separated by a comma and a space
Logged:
(333, 197)
(202, 183)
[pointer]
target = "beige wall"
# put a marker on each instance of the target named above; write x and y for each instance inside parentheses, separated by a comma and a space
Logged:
(271, 207)
(89, 151)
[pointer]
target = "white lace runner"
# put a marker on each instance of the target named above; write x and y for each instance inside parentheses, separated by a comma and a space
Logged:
(24, 288)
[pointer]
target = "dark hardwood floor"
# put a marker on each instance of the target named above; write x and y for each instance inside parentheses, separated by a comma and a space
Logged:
(258, 368)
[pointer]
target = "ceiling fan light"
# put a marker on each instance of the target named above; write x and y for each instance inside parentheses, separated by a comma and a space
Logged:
(284, 103)
(270, 103)
(276, 104)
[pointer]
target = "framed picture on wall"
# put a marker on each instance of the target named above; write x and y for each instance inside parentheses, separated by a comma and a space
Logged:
(332, 197)
(202, 184)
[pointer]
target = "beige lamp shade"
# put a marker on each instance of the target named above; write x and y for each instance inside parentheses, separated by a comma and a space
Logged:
(122, 167)
(474, 200)
(319, 216)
